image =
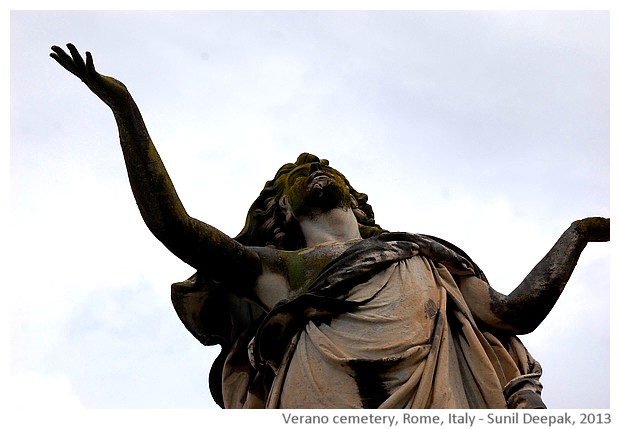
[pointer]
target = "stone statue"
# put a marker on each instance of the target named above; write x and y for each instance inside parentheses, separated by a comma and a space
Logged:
(316, 306)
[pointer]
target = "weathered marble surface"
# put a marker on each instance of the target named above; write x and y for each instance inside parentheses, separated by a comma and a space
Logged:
(315, 305)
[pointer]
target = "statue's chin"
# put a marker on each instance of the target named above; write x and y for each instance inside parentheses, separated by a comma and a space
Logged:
(327, 196)
(321, 195)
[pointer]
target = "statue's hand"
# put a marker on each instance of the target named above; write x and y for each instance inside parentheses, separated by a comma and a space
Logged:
(107, 88)
(593, 228)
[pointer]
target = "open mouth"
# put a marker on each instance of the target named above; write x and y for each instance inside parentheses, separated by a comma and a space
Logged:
(318, 181)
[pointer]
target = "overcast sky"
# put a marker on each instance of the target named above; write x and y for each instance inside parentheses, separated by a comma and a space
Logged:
(488, 129)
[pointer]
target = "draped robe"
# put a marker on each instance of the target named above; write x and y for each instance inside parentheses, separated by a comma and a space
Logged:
(382, 326)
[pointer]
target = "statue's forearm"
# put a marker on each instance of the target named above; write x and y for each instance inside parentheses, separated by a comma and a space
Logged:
(193, 241)
(528, 305)
(153, 190)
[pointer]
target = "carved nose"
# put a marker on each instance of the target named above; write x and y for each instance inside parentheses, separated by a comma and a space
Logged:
(315, 166)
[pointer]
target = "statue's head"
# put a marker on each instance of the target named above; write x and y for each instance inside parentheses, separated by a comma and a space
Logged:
(305, 188)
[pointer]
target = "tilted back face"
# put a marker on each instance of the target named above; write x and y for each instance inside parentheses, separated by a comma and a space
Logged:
(269, 221)
(314, 188)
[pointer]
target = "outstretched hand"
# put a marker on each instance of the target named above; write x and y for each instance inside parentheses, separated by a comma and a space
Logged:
(107, 88)
(593, 228)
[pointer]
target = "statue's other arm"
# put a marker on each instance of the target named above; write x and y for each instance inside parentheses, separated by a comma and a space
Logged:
(196, 243)
(526, 307)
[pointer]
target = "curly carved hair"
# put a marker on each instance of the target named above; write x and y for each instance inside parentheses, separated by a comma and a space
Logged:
(267, 224)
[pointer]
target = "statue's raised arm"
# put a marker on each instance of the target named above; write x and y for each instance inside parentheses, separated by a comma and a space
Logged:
(529, 304)
(196, 243)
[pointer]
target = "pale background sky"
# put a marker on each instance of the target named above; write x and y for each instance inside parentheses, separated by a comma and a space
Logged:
(488, 129)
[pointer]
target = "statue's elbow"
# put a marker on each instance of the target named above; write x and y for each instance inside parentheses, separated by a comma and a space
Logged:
(518, 322)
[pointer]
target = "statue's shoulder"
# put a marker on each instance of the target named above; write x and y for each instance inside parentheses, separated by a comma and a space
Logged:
(458, 251)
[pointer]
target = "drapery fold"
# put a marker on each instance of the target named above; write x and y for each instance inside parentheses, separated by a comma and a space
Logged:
(302, 349)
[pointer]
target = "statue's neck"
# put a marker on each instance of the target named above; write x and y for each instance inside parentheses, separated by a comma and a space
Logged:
(337, 225)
